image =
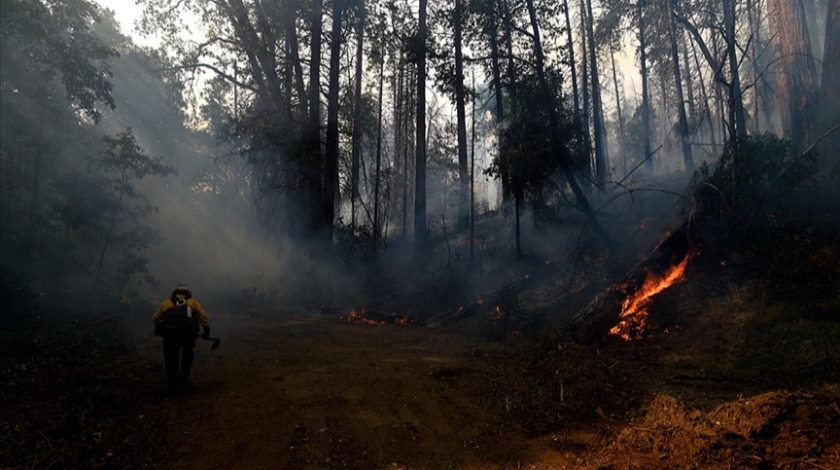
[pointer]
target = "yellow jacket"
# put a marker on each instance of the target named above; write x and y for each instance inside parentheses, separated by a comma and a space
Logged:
(191, 303)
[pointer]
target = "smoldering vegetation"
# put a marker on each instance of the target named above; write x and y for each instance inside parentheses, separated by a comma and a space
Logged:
(200, 181)
(558, 161)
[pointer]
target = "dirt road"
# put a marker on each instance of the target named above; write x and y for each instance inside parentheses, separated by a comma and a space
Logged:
(315, 392)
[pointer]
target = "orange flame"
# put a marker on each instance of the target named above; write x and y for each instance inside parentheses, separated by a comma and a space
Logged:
(358, 316)
(634, 313)
(362, 316)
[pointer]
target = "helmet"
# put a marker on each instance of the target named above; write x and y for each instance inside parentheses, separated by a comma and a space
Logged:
(181, 290)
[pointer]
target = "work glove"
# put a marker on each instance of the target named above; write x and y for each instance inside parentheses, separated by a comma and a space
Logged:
(206, 333)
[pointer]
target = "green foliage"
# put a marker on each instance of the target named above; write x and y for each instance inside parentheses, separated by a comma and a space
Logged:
(768, 169)
(118, 169)
(530, 162)
(352, 241)
(802, 260)
(53, 38)
(65, 410)
(753, 188)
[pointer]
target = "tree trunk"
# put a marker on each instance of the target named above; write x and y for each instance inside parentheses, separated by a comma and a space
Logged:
(357, 114)
(618, 97)
(330, 187)
(585, 113)
(594, 322)
(420, 233)
(511, 68)
(754, 44)
(463, 173)
(598, 127)
(795, 71)
(830, 93)
(579, 140)
(295, 68)
(472, 174)
(311, 164)
(736, 101)
(707, 104)
(377, 231)
(554, 120)
(499, 98)
(688, 161)
(689, 84)
(399, 100)
(648, 157)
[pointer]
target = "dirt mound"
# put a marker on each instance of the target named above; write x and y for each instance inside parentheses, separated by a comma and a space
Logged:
(780, 429)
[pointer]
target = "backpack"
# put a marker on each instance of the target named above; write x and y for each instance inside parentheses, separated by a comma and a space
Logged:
(178, 320)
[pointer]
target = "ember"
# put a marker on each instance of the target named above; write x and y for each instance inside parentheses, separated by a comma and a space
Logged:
(359, 316)
(365, 317)
(634, 309)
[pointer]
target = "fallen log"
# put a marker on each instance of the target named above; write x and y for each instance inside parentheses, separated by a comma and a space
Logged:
(595, 321)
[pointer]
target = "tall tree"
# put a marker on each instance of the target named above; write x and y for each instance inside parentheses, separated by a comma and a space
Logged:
(830, 92)
(357, 112)
(420, 230)
(570, 46)
(795, 70)
(43, 41)
(120, 167)
(554, 121)
(330, 185)
(737, 118)
(675, 63)
(648, 157)
(461, 118)
(600, 142)
(312, 151)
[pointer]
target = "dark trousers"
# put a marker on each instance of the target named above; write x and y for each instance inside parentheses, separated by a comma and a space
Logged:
(178, 357)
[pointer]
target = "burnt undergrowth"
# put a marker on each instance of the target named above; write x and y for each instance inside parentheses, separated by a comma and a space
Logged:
(758, 310)
(74, 387)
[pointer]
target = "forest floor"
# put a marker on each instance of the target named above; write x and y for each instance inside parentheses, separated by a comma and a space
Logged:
(743, 372)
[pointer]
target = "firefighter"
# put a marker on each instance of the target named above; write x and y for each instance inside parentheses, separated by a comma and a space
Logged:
(178, 320)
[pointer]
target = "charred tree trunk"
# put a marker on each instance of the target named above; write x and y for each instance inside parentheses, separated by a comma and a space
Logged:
(594, 322)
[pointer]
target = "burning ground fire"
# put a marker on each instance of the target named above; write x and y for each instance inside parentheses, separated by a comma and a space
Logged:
(634, 310)
(364, 317)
